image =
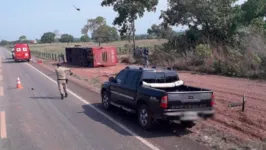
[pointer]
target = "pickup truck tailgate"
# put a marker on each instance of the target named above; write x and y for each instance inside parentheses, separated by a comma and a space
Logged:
(189, 100)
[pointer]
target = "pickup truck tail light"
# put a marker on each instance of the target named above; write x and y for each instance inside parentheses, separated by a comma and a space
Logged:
(164, 102)
(212, 101)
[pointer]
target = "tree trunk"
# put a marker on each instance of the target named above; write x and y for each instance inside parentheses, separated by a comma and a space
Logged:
(134, 44)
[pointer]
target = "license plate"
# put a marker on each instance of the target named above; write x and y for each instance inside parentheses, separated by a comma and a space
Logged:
(190, 116)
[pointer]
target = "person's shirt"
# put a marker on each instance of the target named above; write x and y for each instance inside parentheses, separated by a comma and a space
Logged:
(61, 73)
(146, 51)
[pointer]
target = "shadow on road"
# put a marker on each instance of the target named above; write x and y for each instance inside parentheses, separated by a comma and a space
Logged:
(9, 58)
(161, 129)
(9, 62)
(47, 97)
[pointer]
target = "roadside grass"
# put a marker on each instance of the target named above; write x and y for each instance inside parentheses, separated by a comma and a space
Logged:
(58, 48)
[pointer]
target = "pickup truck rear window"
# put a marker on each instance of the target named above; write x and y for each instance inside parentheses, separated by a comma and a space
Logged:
(160, 77)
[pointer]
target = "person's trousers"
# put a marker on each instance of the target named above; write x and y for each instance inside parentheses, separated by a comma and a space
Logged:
(62, 86)
(146, 62)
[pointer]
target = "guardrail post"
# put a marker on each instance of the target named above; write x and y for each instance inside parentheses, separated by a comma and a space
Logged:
(63, 57)
(120, 51)
(243, 104)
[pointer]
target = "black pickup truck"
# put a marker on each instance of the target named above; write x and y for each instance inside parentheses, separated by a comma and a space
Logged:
(157, 95)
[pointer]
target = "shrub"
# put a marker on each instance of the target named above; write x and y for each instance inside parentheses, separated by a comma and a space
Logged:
(196, 62)
(203, 50)
(127, 59)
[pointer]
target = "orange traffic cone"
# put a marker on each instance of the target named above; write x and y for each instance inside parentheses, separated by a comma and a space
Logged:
(19, 85)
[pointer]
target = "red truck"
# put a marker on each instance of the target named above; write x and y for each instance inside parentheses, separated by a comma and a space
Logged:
(22, 52)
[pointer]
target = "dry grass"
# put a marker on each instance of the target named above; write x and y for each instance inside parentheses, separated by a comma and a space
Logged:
(60, 47)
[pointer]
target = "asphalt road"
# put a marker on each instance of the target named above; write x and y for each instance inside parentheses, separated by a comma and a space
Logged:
(35, 118)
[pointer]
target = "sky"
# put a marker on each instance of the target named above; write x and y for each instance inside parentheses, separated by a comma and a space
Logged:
(34, 17)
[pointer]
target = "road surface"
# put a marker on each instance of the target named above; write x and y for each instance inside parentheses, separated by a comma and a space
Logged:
(35, 118)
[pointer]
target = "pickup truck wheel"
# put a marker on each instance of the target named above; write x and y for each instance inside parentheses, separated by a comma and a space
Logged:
(188, 124)
(145, 117)
(106, 100)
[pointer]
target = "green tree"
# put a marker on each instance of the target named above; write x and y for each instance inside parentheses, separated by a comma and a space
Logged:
(4, 42)
(93, 24)
(128, 11)
(85, 38)
(160, 31)
(105, 33)
(101, 32)
(48, 37)
(66, 38)
(217, 18)
(113, 34)
(22, 38)
(252, 9)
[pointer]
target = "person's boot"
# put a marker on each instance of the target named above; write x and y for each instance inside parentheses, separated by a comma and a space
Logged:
(66, 95)
(62, 96)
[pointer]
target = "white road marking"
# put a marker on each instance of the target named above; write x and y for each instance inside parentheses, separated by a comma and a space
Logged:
(104, 114)
(3, 125)
(1, 91)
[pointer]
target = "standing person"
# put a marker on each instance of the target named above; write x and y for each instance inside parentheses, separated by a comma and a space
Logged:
(61, 58)
(146, 56)
(62, 79)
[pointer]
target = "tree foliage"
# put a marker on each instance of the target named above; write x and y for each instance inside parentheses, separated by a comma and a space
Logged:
(66, 38)
(22, 38)
(85, 38)
(48, 37)
(4, 42)
(101, 32)
(253, 9)
(105, 33)
(128, 11)
(217, 18)
(160, 31)
(93, 24)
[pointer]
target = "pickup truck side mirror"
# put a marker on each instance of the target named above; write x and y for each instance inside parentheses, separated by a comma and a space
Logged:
(112, 79)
